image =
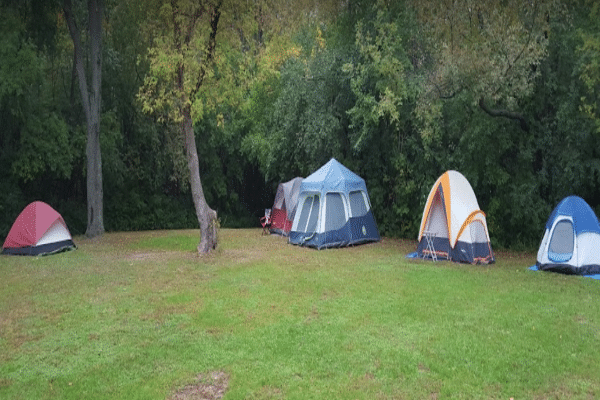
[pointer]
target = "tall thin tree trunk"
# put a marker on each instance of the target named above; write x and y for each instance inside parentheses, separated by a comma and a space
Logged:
(95, 194)
(91, 100)
(207, 217)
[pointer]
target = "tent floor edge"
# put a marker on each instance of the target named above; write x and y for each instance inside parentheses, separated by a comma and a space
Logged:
(42, 250)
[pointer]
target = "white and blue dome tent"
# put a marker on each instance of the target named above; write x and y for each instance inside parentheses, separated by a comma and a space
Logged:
(334, 210)
(571, 242)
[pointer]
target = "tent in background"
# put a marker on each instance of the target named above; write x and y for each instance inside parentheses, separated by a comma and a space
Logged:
(38, 230)
(571, 242)
(334, 209)
(452, 223)
(284, 206)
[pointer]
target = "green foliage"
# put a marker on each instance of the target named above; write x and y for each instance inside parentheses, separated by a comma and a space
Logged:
(589, 73)
(297, 121)
(231, 184)
(34, 126)
(378, 77)
(391, 89)
(46, 145)
(11, 199)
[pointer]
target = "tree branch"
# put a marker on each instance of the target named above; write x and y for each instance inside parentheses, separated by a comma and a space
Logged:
(505, 114)
(192, 25)
(210, 46)
(78, 55)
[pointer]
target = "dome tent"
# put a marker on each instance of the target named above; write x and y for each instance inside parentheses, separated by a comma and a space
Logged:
(454, 223)
(571, 239)
(38, 230)
(334, 209)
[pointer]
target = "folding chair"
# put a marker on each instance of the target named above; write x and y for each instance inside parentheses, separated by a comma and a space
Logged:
(430, 236)
(266, 222)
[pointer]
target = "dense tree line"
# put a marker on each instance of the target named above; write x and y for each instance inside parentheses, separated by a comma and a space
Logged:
(505, 92)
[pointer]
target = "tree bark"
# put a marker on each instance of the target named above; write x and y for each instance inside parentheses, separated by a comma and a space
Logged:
(92, 105)
(207, 217)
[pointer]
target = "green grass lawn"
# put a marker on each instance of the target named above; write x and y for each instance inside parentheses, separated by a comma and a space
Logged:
(140, 316)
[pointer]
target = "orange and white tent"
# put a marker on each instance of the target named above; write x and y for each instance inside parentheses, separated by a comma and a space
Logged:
(453, 227)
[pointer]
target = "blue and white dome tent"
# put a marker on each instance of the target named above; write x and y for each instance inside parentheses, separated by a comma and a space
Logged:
(571, 242)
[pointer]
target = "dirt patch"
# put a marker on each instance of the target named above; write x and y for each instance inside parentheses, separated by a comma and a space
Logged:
(154, 256)
(209, 386)
(244, 256)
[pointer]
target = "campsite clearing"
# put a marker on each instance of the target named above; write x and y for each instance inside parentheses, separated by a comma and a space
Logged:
(139, 316)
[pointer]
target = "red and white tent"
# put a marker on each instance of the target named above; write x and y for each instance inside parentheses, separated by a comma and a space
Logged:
(38, 230)
(284, 206)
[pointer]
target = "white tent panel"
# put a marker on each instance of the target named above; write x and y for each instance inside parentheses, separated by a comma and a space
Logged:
(462, 203)
(57, 232)
(542, 250)
(541, 256)
(588, 248)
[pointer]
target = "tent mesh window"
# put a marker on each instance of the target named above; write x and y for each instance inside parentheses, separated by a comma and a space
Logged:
(478, 232)
(305, 213)
(357, 204)
(335, 213)
(314, 215)
(309, 215)
(560, 248)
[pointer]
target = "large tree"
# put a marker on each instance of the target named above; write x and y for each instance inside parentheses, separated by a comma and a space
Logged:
(91, 98)
(181, 61)
(190, 74)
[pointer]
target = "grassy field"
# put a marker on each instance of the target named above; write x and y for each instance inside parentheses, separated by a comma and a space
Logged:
(140, 316)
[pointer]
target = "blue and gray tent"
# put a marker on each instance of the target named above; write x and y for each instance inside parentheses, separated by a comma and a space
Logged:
(334, 209)
(571, 239)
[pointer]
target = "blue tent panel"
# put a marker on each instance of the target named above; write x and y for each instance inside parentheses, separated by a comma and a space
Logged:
(357, 230)
(333, 177)
(584, 218)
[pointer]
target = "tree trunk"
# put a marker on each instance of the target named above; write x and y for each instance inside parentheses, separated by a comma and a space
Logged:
(92, 105)
(95, 194)
(207, 217)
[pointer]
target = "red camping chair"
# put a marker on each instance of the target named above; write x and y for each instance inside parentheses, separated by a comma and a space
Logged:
(266, 222)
